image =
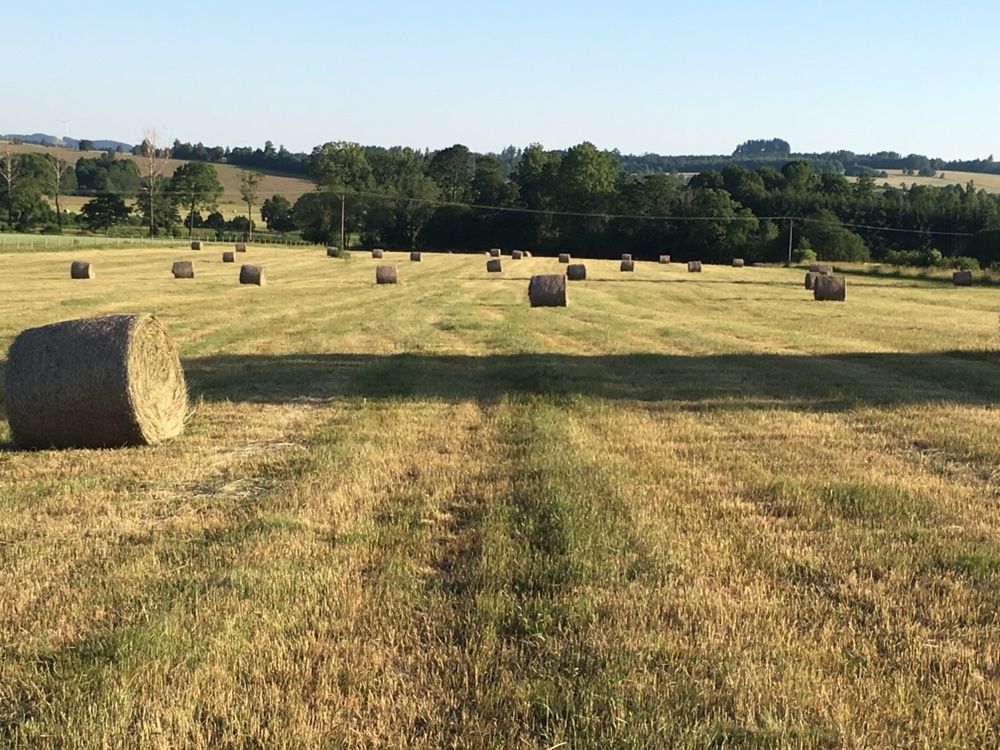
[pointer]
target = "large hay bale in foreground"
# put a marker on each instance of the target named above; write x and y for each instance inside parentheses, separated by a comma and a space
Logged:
(626, 256)
(830, 288)
(737, 262)
(495, 252)
(694, 266)
(576, 272)
(493, 265)
(385, 274)
(228, 257)
(962, 278)
(664, 259)
(548, 290)
(196, 245)
(516, 254)
(241, 247)
(811, 277)
(183, 269)
(628, 265)
(81, 269)
(252, 275)
(378, 252)
(564, 257)
(415, 256)
(95, 383)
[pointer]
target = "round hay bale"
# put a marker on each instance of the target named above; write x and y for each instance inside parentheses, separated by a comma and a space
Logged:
(252, 275)
(196, 245)
(830, 288)
(95, 383)
(385, 274)
(564, 257)
(628, 265)
(493, 265)
(626, 256)
(737, 262)
(694, 266)
(576, 272)
(241, 247)
(819, 268)
(332, 252)
(962, 278)
(495, 252)
(183, 269)
(516, 255)
(415, 256)
(664, 259)
(228, 257)
(811, 277)
(548, 290)
(81, 269)
(378, 252)
(527, 253)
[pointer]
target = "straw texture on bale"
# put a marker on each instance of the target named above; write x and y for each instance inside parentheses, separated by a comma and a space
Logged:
(811, 277)
(196, 245)
(694, 266)
(664, 259)
(564, 257)
(493, 265)
(576, 272)
(628, 265)
(548, 290)
(385, 274)
(830, 288)
(737, 262)
(81, 269)
(241, 247)
(252, 275)
(378, 252)
(95, 383)
(626, 256)
(516, 255)
(962, 278)
(332, 252)
(183, 269)
(494, 252)
(228, 257)
(415, 256)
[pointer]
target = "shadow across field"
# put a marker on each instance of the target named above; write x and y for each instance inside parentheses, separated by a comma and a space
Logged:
(737, 381)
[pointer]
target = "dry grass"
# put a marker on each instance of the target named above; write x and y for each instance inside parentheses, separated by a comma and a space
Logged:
(429, 515)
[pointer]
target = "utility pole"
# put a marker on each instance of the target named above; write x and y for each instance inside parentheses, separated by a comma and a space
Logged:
(343, 237)
(791, 225)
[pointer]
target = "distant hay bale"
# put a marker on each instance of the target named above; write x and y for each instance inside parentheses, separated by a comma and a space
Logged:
(694, 266)
(415, 256)
(962, 278)
(820, 268)
(495, 252)
(548, 290)
(626, 256)
(81, 269)
(576, 272)
(737, 262)
(830, 288)
(183, 269)
(252, 275)
(385, 274)
(95, 383)
(564, 257)
(332, 252)
(493, 265)
(664, 259)
(516, 255)
(628, 265)
(811, 277)
(527, 253)
(196, 245)
(228, 257)
(241, 247)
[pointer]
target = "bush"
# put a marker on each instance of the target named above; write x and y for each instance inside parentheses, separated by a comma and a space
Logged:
(963, 262)
(804, 255)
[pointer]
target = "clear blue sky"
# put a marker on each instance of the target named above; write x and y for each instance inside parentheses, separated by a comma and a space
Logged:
(637, 75)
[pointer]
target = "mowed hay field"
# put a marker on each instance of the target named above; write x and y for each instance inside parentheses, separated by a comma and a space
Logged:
(688, 510)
